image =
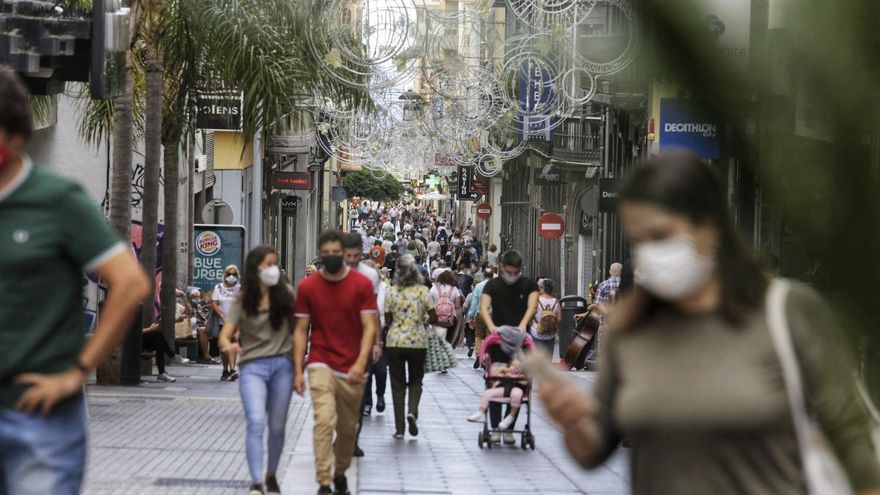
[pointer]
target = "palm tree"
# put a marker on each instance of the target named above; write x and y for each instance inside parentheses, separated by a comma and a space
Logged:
(257, 47)
(188, 47)
(152, 147)
(120, 198)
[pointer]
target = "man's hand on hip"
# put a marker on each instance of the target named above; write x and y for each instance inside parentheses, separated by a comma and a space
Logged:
(46, 391)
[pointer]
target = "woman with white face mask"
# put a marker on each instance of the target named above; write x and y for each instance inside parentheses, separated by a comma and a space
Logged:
(693, 374)
(262, 314)
(222, 297)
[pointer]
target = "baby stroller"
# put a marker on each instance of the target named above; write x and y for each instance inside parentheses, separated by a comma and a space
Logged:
(494, 346)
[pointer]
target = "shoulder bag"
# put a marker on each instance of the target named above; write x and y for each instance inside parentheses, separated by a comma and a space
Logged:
(822, 470)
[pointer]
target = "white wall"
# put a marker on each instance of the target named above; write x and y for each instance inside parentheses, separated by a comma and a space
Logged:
(60, 148)
(228, 187)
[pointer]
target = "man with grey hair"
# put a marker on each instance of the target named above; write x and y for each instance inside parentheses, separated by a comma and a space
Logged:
(607, 290)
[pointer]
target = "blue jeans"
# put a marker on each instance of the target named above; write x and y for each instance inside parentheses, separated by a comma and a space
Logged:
(266, 385)
(43, 454)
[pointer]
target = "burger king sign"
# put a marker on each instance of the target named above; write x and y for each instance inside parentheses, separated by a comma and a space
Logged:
(208, 243)
(214, 248)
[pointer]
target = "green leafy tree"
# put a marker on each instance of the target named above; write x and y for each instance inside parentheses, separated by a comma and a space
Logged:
(365, 185)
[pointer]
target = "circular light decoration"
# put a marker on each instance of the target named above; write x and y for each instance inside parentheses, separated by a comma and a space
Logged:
(622, 61)
(360, 44)
(549, 14)
(446, 89)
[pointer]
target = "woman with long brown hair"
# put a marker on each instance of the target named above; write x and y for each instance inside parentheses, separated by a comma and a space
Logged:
(263, 316)
(693, 374)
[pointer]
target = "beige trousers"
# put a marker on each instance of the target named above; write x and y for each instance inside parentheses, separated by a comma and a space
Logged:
(336, 406)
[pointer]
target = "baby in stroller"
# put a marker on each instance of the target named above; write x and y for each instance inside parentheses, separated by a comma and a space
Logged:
(505, 383)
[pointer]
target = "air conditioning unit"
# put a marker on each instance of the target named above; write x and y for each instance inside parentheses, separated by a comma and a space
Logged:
(201, 163)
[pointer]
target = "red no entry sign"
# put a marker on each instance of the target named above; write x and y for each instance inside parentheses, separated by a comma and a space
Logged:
(551, 226)
(484, 210)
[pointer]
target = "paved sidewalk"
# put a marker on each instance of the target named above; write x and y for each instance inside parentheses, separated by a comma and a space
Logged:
(188, 438)
(185, 437)
(445, 457)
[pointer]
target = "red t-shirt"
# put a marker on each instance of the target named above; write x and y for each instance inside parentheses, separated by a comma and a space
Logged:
(334, 309)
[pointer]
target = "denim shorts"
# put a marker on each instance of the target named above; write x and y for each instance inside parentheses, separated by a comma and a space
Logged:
(41, 455)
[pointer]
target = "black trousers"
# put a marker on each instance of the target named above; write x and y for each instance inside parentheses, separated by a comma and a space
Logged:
(469, 336)
(379, 370)
(155, 341)
(404, 361)
(450, 332)
(495, 412)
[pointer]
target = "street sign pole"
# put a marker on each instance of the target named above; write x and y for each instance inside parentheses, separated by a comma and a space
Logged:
(256, 237)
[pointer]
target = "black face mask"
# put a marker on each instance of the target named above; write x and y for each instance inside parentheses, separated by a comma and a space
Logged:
(332, 263)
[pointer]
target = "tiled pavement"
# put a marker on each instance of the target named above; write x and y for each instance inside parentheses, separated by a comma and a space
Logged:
(187, 438)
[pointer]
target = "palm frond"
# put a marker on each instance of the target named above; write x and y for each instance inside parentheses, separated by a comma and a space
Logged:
(96, 116)
(259, 47)
(44, 108)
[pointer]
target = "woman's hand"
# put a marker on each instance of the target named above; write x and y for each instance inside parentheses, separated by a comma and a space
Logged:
(565, 403)
(233, 349)
(299, 384)
(573, 411)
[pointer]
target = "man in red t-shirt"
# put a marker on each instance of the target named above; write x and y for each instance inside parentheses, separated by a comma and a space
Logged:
(340, 305)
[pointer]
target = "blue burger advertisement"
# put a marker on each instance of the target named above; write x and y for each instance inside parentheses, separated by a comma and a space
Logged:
(216, 247)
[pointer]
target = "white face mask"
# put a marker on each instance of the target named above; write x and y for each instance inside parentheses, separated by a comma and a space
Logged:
(270, 276)
(671, 269)
(510, 279)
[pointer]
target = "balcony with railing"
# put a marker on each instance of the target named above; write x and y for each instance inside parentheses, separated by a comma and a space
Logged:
(577, 141)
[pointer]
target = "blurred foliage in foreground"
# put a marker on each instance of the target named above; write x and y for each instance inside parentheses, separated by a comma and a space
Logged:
(827, 189)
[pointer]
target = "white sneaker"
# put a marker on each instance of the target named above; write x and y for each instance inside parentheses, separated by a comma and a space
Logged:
(165, 377)
(495, 437)
(178, 359)
(477, 417)
(506, 423)
(508, 439)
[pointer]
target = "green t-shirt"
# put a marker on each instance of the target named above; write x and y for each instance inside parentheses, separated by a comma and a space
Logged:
(50, 233)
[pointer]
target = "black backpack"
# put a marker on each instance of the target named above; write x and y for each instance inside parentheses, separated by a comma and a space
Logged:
(464, 282)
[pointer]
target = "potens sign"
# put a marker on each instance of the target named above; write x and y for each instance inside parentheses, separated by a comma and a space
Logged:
(219, 113)
(683, 125)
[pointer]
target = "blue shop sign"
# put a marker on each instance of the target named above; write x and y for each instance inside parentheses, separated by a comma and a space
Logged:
(683, 125)
(537, 92)
(216, 247)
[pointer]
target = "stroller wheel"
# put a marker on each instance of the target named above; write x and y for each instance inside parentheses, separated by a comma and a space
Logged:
(532, 441)
(480, 439)
(525, 441)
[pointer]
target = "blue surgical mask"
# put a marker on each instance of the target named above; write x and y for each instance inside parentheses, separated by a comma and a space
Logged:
(231, 279)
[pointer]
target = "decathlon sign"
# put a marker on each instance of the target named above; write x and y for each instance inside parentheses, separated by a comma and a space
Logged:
(684, 125)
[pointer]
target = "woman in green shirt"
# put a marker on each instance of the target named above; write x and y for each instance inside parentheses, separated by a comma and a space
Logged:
(690, 375)
(261, 314)
(407, 304)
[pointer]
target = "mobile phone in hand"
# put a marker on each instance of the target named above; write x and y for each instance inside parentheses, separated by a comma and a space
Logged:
(540, 367)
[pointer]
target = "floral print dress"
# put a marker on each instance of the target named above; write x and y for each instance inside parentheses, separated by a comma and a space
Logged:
(408, 306)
